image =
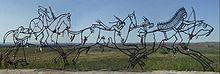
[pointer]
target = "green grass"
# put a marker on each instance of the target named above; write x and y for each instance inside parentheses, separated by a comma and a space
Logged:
(116, 61)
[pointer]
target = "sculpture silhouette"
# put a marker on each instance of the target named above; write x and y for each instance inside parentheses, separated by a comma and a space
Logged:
(47, 28)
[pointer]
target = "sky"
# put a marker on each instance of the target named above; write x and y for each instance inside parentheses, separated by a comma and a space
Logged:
(14, 13)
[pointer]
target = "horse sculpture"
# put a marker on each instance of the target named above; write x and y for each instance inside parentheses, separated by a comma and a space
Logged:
(181, 29)
(43, 28)
(47, 29)
(20, 38)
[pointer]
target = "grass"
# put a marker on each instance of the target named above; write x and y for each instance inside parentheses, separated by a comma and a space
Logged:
(116, 61)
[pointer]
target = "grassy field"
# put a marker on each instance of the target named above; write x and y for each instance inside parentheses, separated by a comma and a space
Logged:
(113, 60)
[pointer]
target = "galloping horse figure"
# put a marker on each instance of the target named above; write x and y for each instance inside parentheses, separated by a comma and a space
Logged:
(47, 28)
(20, 37)
(197, 28)
(44, 25)
(104, 41)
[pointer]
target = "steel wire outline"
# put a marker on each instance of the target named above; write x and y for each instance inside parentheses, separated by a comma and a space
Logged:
(136, 54)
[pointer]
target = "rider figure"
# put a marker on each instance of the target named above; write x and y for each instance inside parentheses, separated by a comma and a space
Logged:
(46, 18)
(43, 14)
(119, 25)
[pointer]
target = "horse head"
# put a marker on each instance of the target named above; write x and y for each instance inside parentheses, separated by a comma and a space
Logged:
(69, 21)
(200, 28)
(205, 29)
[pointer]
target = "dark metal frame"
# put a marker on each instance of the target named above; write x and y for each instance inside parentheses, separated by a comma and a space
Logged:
(48, 28)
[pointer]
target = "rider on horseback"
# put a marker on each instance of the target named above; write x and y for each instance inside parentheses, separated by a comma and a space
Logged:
(46, 18)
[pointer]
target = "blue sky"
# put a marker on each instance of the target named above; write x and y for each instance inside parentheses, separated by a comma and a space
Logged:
(14, 13)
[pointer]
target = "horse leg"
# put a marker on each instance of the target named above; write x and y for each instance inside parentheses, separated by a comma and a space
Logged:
(136, 58)
(131, 59)
(174, 46)
(204, 63)
(139, 58)
(56, 58)
(61, 51)
(139, 61)
(14, 57)
(63, 55)
(41, 38)
(47, 36)
(134, 61)
(66, 63)
(130, 55)
(206, 66)
(203, 59)
(198, 58)
(75, 59)
(5, 56)
(25, 58)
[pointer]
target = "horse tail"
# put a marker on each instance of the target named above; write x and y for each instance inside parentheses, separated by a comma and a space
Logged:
(7, 34)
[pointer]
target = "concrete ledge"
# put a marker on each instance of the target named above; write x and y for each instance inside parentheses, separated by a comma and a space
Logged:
(48, 71)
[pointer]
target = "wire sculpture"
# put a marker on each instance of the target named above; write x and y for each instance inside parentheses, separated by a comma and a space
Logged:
(47, 28)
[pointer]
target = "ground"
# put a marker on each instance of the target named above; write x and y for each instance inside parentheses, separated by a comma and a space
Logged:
(113, 60)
